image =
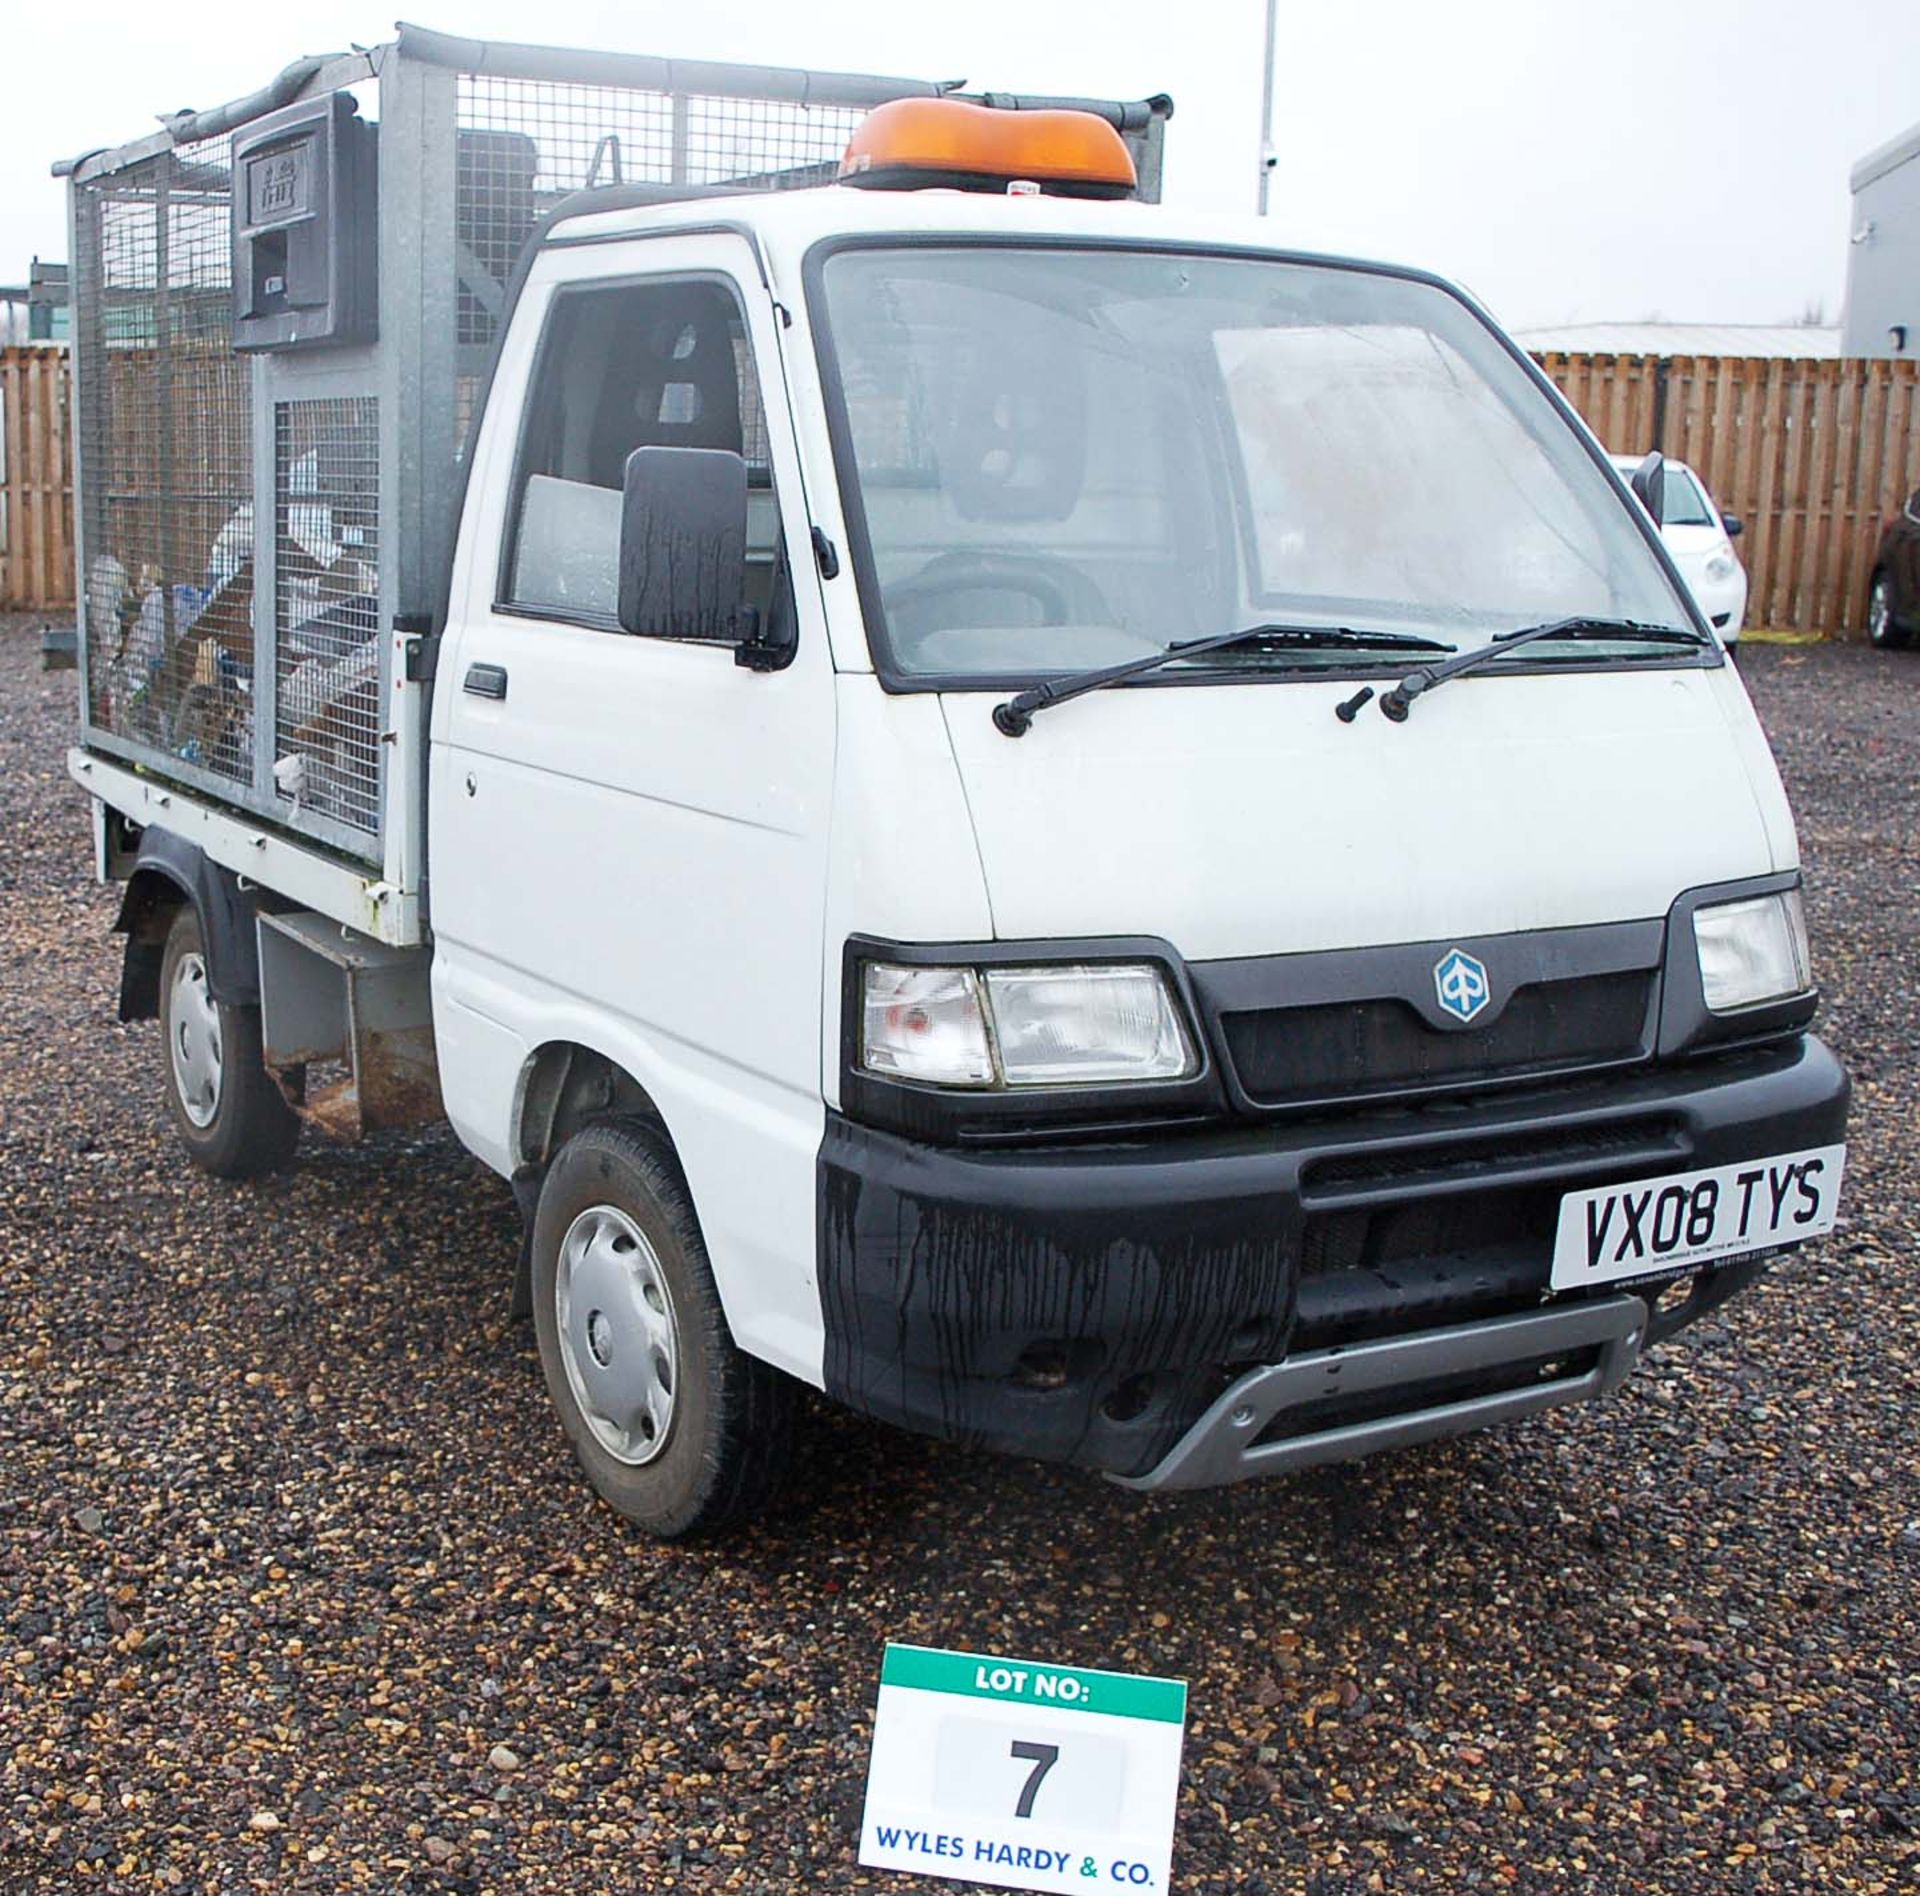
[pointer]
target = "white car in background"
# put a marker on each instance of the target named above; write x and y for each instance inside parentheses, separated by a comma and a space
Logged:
(1700, 538)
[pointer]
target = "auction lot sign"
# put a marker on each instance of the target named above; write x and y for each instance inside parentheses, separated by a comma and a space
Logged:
(1021, 1774)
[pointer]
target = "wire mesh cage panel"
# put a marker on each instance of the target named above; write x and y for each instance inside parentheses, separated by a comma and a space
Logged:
(326, 607)
(525, 144)
(164, 430)
(257, 527)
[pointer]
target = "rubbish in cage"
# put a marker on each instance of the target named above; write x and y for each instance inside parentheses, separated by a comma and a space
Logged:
(172, 676)
(326, 705)
(164, 442)
(326, 535)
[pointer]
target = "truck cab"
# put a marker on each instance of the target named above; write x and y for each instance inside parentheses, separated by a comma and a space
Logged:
(1188, 1083)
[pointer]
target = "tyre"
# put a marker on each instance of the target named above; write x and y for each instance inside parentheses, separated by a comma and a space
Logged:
(677, 1429)
(232, 1118)
(1883, 629)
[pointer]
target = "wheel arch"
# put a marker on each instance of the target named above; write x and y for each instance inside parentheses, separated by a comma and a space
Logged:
(168, 873)
(750, 1174)
(565, 1085)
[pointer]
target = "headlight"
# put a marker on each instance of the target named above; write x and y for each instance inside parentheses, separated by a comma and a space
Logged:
(1752, 951)
(1086, 1026)
(1721, 566)
(1068, 1025)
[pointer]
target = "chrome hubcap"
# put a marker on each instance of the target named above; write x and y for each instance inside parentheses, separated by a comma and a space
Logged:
(619, 1341)
(193, 1024)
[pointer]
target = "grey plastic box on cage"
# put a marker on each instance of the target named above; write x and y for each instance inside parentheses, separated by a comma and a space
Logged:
(272, 397)
(305, 227)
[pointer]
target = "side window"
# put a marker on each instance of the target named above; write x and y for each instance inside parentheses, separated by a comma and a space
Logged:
(663, 364)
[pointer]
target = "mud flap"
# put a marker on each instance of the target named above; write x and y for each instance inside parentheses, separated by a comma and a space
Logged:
(526, 1198)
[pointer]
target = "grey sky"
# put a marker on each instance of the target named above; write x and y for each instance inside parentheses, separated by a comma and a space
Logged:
(1620, 159)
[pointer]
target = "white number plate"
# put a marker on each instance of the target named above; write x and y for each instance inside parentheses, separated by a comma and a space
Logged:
(1665, 1224)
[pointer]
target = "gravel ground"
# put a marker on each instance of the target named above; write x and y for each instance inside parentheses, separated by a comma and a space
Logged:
(299, 1590)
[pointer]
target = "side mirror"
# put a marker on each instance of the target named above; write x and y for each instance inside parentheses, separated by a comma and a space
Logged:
(1733, 524)
(1649, 483)
(683, 544)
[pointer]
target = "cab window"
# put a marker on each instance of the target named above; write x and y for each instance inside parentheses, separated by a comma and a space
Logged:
(633, 365)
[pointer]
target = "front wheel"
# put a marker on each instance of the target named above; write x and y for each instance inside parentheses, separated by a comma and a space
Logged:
(677, 1429)
(229, 1113)
(1882, 628)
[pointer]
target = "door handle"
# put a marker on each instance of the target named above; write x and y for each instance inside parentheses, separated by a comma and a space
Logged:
(485, 681)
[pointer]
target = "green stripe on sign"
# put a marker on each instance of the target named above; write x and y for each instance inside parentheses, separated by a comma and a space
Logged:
(1026, 1682)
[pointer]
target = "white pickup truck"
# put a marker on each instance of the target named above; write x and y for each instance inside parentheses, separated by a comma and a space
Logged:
(1098, 838)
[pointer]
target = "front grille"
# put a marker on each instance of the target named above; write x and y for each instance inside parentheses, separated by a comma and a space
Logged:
(1465, 1228)
(1649, 1143)
(1364, 1048)
(1392, 1268)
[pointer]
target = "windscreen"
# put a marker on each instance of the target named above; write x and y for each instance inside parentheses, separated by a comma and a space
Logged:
(1069, 457)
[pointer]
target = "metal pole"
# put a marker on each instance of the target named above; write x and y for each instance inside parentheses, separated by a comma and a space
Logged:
(1267, 159)
(173, 687)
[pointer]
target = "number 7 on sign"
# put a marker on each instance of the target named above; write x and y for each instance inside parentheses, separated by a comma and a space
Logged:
(1043, 1759)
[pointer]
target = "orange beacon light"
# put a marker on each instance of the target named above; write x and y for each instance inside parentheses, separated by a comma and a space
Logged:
(911, 144)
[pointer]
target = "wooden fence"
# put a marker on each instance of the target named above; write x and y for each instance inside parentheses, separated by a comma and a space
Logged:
(36, 480)
(1814, 455)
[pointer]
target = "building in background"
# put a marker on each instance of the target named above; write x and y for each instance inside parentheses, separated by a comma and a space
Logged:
(35, 311)
(1667, 340)
(1883, 252)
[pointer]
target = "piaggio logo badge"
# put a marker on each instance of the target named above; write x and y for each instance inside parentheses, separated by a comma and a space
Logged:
(1461, 983)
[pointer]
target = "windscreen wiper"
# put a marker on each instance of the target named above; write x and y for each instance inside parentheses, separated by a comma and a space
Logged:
(1016, 713)
(1395, 703)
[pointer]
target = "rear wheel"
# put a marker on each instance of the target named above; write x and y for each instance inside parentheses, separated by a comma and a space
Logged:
(676, 1428)
(232, 1118)
(1882, 629)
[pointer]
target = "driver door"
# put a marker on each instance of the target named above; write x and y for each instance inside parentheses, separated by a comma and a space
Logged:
(629, 833)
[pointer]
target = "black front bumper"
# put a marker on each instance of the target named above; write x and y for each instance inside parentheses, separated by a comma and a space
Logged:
(1086, 1302)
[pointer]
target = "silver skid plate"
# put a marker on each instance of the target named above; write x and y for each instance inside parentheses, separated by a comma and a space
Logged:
(1225, 1445)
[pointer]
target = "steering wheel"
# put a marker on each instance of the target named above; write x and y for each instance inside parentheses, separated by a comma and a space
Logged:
(1062, 590)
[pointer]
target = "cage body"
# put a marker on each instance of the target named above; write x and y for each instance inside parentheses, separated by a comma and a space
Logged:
(262, 525)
